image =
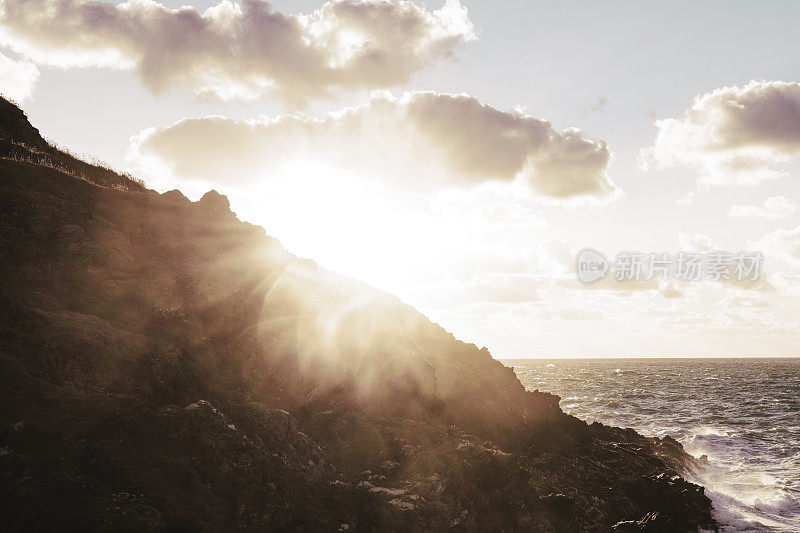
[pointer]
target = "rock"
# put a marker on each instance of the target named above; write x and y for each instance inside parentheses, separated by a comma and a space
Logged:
(202, 405)
(175, 196)
(673, 497)
(214, 201)
(389, 466)
(279, 424)
(559, 503)
(387, 490)
(14, 126)
(652, 522)
(400, 504)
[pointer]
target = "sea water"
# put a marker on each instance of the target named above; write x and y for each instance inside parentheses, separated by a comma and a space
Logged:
(743, 414)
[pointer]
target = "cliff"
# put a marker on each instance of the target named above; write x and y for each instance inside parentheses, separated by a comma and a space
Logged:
(167, 366)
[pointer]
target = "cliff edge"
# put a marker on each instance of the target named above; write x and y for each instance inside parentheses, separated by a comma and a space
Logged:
(167, 366)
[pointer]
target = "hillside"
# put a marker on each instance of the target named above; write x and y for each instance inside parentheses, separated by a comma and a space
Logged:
(167, 366)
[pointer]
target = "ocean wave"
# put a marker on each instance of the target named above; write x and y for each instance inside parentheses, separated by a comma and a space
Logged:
(741, 414)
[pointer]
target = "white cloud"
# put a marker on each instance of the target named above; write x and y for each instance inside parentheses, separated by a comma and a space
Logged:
(420, 140)
(696, 242)
(783, 244)
(670, 290)
(240, 50)
(494, 288)
(17, 78)
(774, 208)
(578, 313)
(733, 135)
(738, 301)
(787, 284)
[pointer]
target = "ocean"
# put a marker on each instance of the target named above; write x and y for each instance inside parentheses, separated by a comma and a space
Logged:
(743, 414)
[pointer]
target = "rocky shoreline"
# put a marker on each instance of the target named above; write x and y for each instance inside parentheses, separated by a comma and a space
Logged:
(166, 366)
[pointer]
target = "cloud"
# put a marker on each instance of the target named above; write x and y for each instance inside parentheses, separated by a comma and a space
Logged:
(703, 244)
(17, 78)
(783, 244)
(774, 208)
(737, 301)
(559, 259)
(761, 284)
(670, 290)
(421, 139)
(240, 50)
(578, 313)
(588, 110)
(620, 287)
(496, 288)
(696, 242)
(733, 135)
(787, 284)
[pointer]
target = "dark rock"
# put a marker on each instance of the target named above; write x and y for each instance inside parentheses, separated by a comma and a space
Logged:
(652, 522)
(20, 141)
(175, 196)
(559, 503)
(14, 126)
(215, 202)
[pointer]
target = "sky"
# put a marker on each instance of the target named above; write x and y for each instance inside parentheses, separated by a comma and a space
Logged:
(460, 155)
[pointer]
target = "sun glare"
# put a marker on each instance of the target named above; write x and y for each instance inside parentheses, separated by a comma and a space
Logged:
(347, 224)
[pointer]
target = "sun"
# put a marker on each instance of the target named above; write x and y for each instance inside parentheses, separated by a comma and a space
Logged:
(345, 222)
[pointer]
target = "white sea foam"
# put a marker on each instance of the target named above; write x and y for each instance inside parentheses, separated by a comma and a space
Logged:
(743, 415)
(745, 500)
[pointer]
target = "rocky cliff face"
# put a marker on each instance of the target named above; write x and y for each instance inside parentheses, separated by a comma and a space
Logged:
(167, 366)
